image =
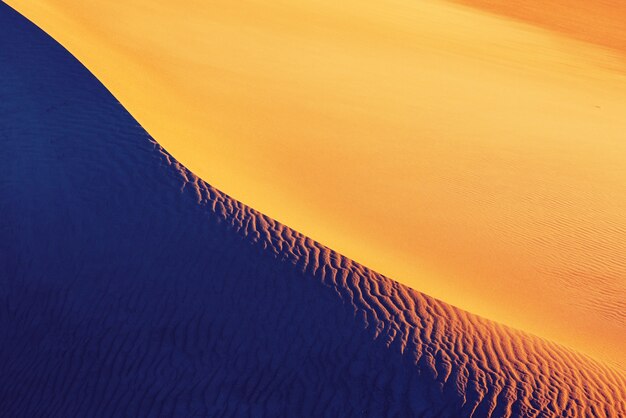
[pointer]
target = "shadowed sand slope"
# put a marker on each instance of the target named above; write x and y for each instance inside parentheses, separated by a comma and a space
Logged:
(485, 156)
(129, 287)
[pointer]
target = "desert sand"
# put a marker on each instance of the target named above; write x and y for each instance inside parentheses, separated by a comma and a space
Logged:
(600, 21)
(130, 287)
(476, 157)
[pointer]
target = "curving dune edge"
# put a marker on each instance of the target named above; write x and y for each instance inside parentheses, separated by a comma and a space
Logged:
(485, 154)
(131, 287)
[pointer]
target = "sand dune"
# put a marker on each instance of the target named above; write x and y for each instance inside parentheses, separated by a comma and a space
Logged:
(485, 156)
(130, 287)
(599, 21)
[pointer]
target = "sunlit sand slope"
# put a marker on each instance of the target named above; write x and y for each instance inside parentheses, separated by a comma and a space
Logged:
(598, 21)
(472, 157)
(130, 287)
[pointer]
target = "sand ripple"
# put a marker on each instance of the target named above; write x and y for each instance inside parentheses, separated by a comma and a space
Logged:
(129, 287)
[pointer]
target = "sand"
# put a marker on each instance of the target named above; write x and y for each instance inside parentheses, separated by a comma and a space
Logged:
(130, 287)
(600, 22)
(473, 157)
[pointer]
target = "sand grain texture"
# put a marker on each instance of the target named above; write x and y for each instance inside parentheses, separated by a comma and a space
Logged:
(129, 287)
(485, 154)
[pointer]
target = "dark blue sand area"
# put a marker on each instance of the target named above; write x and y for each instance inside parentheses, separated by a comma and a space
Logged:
(128, 287)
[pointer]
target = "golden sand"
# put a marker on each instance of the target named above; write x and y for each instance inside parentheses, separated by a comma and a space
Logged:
(474, 157)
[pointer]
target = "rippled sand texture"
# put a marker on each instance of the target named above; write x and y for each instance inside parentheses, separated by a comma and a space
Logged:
(472, 157)
(130, 287)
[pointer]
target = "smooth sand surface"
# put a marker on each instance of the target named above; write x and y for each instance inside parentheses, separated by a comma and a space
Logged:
(130, 287)
(470, 156)
(599, 21)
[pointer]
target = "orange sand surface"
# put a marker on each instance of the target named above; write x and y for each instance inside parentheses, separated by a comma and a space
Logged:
(597, 21)
(474, 157)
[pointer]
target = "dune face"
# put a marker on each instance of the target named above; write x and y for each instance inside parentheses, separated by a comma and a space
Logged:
(485, 156)
(130, 287)
(600, 21)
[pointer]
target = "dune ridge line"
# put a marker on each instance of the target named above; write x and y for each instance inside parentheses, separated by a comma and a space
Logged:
(132, 287)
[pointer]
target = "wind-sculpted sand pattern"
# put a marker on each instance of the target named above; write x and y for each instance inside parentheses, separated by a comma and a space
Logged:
(129, 287)
(475, 157)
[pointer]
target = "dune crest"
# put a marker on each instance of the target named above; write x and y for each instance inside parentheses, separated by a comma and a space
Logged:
(485, 156)
(130, 287)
